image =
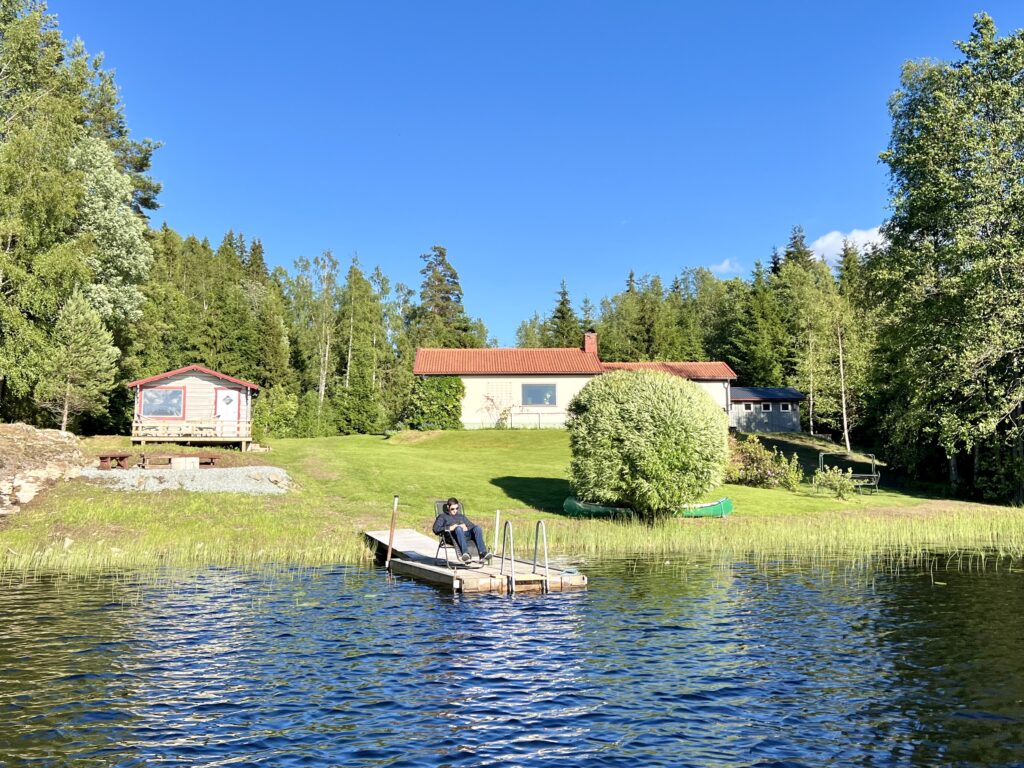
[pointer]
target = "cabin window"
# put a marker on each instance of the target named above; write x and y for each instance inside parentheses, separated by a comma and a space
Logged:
(163, 403)
(539, 394)
(785, 407)
(765, 407)
(748, 406)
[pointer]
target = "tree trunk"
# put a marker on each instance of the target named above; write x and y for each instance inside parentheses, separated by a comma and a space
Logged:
(954, 474)
(351, 328)
(67, 402)
(842, 388)
(810, 399)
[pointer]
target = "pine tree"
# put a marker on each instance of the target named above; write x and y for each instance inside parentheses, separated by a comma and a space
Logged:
(761, 342)
(78, 371)
(796, 251)
(440, 320)
(563, 328)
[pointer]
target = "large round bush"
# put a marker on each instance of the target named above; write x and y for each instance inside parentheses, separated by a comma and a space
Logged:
(647, 440)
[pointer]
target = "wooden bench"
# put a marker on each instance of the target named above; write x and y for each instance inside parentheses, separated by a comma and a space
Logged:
(147, 461)
(110, 460)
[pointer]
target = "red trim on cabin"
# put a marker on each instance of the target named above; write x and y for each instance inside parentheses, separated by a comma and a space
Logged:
(238, 401)
(194, 367)
(184, 410)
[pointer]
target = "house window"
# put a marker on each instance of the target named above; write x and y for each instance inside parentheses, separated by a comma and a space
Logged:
(748, 406)
(538, 394)
(163, 403)
(785, 407)
(766, 407)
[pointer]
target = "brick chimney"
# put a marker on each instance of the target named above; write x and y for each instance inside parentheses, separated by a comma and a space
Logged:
(590, 343)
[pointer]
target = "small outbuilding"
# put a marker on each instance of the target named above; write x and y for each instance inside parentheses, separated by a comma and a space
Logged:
(765, 409)
(194, 405)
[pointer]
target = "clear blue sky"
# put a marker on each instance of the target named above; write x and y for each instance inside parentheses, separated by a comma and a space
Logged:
(536, 140)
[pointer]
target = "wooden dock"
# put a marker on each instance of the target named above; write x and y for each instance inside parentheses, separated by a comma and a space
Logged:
(413, 555)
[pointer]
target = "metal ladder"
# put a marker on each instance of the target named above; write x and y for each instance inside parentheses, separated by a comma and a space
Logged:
(508, 545)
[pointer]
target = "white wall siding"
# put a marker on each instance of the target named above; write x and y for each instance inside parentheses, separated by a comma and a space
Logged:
(488, 398)
(719, 391)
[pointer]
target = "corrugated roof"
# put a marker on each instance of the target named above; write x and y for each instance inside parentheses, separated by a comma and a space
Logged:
(193, 367)
(469, 362)
(740, 394)
(695, 371)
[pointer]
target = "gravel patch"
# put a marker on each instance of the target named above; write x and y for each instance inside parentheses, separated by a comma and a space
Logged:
(254, 480)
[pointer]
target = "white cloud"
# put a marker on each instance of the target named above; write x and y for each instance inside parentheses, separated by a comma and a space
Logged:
(726, 267)
(829, 246)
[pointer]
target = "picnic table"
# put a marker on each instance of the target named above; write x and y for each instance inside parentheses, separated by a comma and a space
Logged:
(164, 460)
(110, 460)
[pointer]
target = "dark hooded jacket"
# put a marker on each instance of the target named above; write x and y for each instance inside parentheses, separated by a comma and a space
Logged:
(446, 520)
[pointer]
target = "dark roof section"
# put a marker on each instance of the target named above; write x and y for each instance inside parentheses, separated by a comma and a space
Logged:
(193, 367)
(740, 394)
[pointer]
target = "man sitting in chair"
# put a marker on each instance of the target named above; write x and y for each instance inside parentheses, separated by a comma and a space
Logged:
(455, 526)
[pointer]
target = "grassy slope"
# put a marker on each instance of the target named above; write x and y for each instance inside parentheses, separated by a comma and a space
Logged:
(345, 486)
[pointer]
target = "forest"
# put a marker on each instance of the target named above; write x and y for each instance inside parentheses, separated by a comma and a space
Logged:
(914, 347)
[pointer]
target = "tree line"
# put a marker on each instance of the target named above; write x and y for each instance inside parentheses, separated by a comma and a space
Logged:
(915, 346)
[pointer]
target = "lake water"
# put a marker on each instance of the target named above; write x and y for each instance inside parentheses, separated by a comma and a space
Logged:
(659, 663)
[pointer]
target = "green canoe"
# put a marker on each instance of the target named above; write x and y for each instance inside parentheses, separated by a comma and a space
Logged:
(576, 508)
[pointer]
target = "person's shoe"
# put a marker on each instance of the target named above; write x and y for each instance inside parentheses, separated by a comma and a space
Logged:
(466, 558)
(486, 557)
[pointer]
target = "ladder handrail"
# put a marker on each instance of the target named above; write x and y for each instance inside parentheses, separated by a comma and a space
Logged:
(541, 529)
(508, 539)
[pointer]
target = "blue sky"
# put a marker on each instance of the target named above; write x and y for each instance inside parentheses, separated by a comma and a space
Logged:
(535, 140)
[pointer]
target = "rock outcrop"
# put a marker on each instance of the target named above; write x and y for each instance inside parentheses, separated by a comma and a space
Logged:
(32, 459)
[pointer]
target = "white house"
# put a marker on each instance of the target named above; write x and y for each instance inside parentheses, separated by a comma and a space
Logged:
(532, 387)
(194, 405)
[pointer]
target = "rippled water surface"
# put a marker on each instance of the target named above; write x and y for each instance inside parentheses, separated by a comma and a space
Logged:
(657, 664)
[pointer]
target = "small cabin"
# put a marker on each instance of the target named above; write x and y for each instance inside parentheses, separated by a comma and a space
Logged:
(765, 409)
(194, 405)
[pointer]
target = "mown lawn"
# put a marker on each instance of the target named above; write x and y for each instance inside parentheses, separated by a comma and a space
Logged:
(345, 485)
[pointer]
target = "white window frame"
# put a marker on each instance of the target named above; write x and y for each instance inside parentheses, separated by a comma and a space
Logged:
(766, 407)
(785, 407)
(748, 406)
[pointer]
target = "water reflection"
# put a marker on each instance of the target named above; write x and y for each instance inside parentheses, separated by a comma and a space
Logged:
(659, 663)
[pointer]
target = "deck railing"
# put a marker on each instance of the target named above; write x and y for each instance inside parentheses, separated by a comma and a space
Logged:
(192, 428)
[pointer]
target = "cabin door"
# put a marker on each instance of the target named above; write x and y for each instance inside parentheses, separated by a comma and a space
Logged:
(227, 409)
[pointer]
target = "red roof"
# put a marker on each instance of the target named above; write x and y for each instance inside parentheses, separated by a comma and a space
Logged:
(469, 362)
(188, 368)
(698, 371)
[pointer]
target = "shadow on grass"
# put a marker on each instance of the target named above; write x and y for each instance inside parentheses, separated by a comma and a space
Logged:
(543, 493)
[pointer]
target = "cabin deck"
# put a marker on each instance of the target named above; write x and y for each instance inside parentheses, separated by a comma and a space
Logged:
(413, 555)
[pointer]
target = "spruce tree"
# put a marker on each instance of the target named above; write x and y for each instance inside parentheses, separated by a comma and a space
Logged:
(797, 252)
(563, 328)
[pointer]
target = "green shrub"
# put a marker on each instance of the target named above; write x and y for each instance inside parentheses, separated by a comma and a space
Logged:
(436, 403)
(273, 414)
(645, 440)
(751, 463)
(836, 480)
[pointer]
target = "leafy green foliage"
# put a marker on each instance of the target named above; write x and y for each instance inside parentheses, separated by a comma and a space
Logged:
(751, 463)
(836, 480)
(436, 403)
(274, 413)
(78, 372)
(645, 440)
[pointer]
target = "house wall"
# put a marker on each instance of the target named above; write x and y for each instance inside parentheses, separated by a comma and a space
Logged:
(759, 421)
(719, 391)
(488, 397)
(200, 397)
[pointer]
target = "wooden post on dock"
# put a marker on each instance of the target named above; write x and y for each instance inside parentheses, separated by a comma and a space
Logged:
(391, 534)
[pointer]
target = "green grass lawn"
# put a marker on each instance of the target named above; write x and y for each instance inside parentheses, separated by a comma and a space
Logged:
(345, 485)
